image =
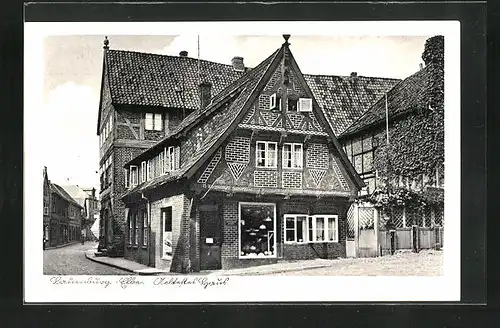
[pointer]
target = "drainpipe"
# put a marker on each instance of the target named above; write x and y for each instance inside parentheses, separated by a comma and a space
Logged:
(148, 211)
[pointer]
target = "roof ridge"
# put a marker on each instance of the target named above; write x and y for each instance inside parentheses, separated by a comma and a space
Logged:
(358, 76)
(424, 70)
(164, 55)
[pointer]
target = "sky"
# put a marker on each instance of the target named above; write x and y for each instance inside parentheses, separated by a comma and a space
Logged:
(73, 67)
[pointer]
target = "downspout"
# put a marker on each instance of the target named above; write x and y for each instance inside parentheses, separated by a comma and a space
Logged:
(148, 217)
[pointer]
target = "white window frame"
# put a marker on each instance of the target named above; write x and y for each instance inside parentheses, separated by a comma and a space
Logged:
(144, 228)
(302, 103)
(293, 160)
(305, 231)
(149, 121)
(153, 122)
(148, 170)
(158, 122)
(143, 171)
(171, 158)
(275, 252)
(134, 175)
(130, 228)
(273, 101)
(162, 162)
(313, 219)
(266, 151)
(136, 229)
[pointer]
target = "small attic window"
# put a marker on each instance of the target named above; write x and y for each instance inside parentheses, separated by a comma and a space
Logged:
(305, 105)
(272, 101)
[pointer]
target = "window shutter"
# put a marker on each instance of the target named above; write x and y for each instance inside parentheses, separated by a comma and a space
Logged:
(177, 157)
(149, 121)
(272, 101)
(158, 121)
(305, 105)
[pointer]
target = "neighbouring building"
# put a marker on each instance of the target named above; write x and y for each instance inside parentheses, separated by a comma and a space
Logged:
(254, 175)
(86, 197)
(397, 147)
(61, 213)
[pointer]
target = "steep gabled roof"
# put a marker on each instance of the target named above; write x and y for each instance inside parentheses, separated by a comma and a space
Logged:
(151, 80)
(77, 193)
(225, 97)
(63, 194)
(345, 98)
(219, 123)
(413, 92)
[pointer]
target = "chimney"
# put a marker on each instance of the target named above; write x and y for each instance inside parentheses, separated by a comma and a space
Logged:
(45, 170)
(354, 74)
(238, 65)
(205, 94)
(420, 66)
(183, 53)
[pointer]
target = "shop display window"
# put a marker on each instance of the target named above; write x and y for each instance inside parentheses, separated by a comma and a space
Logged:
(257, 230)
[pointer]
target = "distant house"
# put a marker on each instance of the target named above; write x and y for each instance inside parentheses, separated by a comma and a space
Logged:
(86, 197)
(62, 215)
(397, 147)
(253, 176)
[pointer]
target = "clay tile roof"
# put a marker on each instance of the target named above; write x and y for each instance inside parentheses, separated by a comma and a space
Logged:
(345, 98)
(214, 125)
(151, 80)
(413, 92)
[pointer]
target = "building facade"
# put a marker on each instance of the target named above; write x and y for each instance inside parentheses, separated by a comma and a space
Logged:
(62, 224)
(147, 99)
(255, 176)
(87, 198)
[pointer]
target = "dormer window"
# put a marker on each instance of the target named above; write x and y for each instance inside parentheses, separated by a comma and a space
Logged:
(305, 105)
(153, 122)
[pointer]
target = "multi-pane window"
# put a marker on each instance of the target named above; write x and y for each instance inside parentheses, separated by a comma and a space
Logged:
(149, 170)
(173, 158)
(292, 156)
(143, 171)
(144, 228)
(153, 121)
(136, 230)
(130, 229)
(134, 175)
(266, 154)
(127, 185)
(301, 228)
(360, 152)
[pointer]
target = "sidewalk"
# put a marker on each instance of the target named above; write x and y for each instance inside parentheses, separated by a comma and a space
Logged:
(280, 267)
(141, 269)
(124, 264)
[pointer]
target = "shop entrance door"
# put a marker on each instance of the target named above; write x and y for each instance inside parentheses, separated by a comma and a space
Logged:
(210, 237)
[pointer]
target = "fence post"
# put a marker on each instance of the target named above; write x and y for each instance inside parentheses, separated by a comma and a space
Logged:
(437, 232)
(375, 227)
(415, 239)
(392, 234)
(356, 229)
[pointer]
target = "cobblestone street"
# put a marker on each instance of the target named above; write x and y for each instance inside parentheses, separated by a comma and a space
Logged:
(71, 260)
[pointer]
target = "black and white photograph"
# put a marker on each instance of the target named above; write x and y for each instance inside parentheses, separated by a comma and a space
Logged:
(245, 159)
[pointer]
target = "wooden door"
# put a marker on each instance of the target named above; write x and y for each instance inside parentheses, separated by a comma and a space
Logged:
(210, 237)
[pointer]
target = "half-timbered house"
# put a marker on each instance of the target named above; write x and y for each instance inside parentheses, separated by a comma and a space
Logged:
(253, 176)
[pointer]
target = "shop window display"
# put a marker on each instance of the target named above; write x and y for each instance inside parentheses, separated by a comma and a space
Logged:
(257, 227)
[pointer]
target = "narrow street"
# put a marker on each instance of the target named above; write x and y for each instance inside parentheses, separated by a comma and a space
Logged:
(71, 260)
